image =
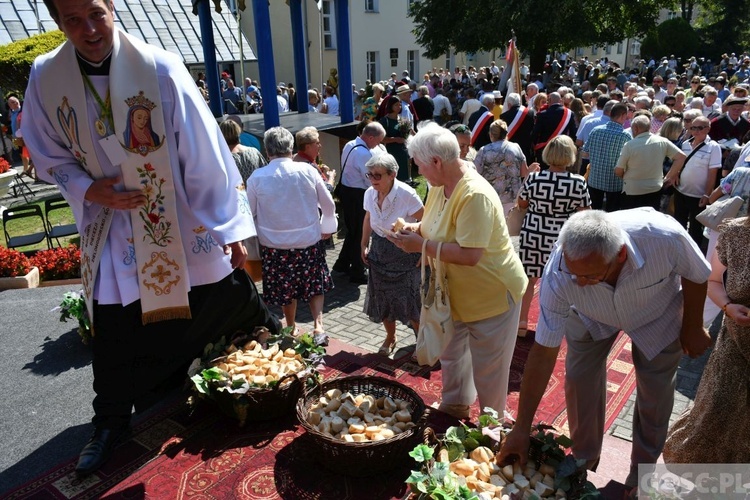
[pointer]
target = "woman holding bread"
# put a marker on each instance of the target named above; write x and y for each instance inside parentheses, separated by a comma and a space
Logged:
(485, 277)
(394, 278)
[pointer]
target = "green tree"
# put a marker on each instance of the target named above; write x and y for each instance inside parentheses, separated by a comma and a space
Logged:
(541, 26)
(724, 26)
(674, 36)
(16, 59)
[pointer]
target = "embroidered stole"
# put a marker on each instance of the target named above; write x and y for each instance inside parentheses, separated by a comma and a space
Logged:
(479, 125)
(567, 115)
(517, 121)
(140, 129)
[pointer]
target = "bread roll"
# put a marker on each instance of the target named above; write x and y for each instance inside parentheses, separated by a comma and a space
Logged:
(399, 224)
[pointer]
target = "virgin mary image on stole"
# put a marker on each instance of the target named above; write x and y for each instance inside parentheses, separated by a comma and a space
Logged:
(139, 136)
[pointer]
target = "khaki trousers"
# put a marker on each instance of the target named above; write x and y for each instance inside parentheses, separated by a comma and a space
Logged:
(477, 360)
(586, 390)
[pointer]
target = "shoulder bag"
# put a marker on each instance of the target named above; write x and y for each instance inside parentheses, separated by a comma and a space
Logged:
(435, 322)
(726, 207)
(337, 189)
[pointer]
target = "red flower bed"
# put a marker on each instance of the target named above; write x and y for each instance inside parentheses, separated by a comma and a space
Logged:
(13, 263)
(58, 263)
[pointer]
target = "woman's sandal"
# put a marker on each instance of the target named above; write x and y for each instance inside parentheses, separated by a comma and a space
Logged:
(387, 349)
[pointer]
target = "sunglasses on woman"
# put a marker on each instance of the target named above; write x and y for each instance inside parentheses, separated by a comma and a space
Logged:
(371, 175)
(698, 128)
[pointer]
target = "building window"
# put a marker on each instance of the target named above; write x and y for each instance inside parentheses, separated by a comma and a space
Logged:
(329, 34)
(608, 49)
(579, 51)
(371, 6)
(412, 64)
(672, 15)
(594, 50)
(619, 47)
(372, 66)
(448, 64)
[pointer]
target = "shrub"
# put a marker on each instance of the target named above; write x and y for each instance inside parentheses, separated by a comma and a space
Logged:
(58, 263)
(16, 59)
(13, 263)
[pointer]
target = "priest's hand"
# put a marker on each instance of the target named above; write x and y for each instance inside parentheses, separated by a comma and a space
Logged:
(238, 252)
(103, 192)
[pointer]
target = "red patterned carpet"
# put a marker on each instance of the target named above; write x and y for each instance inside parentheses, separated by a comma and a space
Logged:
(177, 454)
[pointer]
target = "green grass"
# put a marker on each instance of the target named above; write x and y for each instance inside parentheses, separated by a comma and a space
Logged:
(33, 225)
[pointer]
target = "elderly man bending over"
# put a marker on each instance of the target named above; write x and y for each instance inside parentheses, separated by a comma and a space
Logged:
(633, 270)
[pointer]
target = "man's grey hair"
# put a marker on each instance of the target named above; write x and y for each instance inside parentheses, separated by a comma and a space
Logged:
(533, 85)
(379, 87)
(513, 99)
(488, 99)
(433, 141)
(607, 110)
(555, 98)
(696, 103)
(692, 114)
(591, 232)
(643, 100)
(641, 123)
(374, 129)
(423, 90)
(382, 160)
(278, 141)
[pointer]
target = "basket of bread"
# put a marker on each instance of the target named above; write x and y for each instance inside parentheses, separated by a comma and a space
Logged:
(461, 464)
(258, 376)
(362, 425)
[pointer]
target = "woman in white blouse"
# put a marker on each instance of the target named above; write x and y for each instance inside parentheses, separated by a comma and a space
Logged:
(284, 197)
(394, 279)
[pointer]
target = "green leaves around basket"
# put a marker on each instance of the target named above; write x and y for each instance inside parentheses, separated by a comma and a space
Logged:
(436, 482)
(462, 439)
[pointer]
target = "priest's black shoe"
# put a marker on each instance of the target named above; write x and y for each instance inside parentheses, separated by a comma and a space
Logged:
(99, 448)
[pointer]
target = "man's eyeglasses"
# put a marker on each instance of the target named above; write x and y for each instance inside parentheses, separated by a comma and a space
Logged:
(698, 128)
(590, 279)
(371, 175)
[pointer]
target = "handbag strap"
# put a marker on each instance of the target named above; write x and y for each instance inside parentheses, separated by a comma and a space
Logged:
(695, 150)
(343, 167)
(440, 286)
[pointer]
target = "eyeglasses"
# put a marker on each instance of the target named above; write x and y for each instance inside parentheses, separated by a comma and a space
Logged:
(371, 175)
(590, 279)
(670, 104)
(698, 128)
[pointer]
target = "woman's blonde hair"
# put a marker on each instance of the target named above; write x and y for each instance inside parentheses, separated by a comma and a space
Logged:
(671, 129)
(661, 112)
(560, 152)
(498, 130)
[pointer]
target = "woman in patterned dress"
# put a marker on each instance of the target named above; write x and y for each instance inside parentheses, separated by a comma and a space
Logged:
(394, 279)
(503, 164)
(551, 196)
(284, 197)
(716, 428)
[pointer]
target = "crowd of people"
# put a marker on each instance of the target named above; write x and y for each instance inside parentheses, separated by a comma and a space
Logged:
(645, 158)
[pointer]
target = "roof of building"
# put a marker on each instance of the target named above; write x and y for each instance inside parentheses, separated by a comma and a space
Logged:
(167, 24)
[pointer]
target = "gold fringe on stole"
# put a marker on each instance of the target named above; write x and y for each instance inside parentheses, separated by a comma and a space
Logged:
(166, 314)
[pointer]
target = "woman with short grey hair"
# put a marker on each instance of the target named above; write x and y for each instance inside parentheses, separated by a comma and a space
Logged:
(293, 258)
(503, 164)
(278, 142)
(484, 274)
(394, 278)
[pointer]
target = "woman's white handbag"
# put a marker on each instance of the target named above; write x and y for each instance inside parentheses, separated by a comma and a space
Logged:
(435, 322)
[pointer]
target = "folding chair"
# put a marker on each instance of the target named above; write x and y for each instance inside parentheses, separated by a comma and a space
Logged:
(24, 212)
(19, 186)
(60, 230)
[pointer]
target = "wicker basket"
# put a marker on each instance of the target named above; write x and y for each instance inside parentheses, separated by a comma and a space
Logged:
(368, 458)
(261, 404)
(577, 480)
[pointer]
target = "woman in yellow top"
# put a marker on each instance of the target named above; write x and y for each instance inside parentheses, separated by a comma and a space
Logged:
(485, 277)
